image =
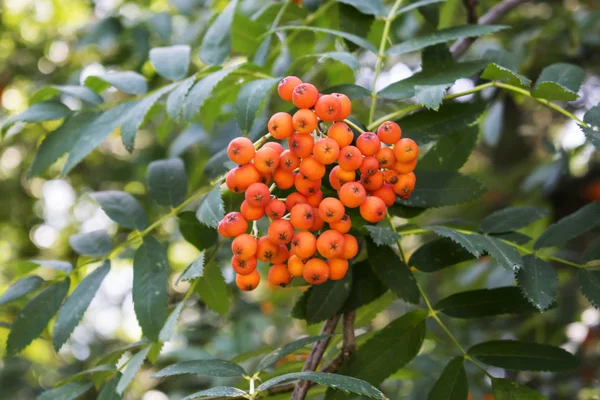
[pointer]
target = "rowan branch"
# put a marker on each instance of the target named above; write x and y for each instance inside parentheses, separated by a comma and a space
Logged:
(471, 8)
(497, 12)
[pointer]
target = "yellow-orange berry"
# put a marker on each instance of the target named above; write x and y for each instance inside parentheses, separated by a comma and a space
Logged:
(386, 193)
(284, 179)
(286, 87)
(304, 244)
(330, 244)
(258, 194)
(296, 265)
(288, 161)
(318, 223)
(337, 268)
(266, 250)
(293, 199)
(338, 177)
(275, 209)
(344, 224)
(275, 146)
(368, 143)
(306, 186)
(390, 176)
(251, 213)
(316, 271)
(350, 158)
(341, 133)
(248, 282)
(302, 216)
(386, 158)
(311, 168)
(350, 247)
(281, 125)
(243, 267)
(328, 108)
(282, 256)
(326, 151)
(331, 209)
(305, 95)
(346, 105)
(372, 182)
(266, 159)
(314, 199)
(405, 167)
(240, 150)
(279, 275)
(301, 145)
(244, 176)
(281, 231)
(406, 150)
(305, 121)
(369, 166)
(234, 224)
(244, 246)
(405, 185)
(352, 194)
(373, 209)
(389, 132)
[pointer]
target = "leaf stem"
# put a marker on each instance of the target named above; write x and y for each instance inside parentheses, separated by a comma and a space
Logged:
(381, 55)
(352, 124)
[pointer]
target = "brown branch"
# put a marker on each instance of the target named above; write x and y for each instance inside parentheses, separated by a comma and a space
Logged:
(471, 8)
(498, 12)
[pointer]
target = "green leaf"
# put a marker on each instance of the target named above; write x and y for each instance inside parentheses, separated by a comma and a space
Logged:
(248, 102)
(416, 5)
(589, 282)
(166, 333)
(443, 36)
(137, 115)
(382, 236)
(122, 208)
(150, 275)
(353, 92)
(216, 43)
(439, 254)
(38, 112)
(401, 338)
(505, 389)
(33, 318)
(76, 304)
(366, 287)
(200, 235)
(212, 209)
(80, 92)
(212, 289)
(342, 56)
(326, 300)
(21, 288)
(357, 40)
(92, 134)
(393, 272)
(201, 90)
(443, 188)
(431, 96)
(511, 219)
(469, 242)
(92, 244)
(451, 152)
(538, 281)
(219, 391)
(220, 368)
(505, 255)
(70, 391)
(452, 384)
(514, 237)
(593, 251)
(128, 82)
(428, 126)
(58, 265)
(131, 369)
(285, 350)
(571, 226)
(371, 7)
(176, 98)
(485, 302)
(559, 81)
(336, 381)
(101, 371)
(109, 391)
(167, 181)
(171, 62)
(503, 67)
(524, 356)
(592, 117)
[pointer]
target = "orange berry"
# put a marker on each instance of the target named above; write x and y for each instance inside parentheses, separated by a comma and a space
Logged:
(248, 282)
(282, 255)
(281, 231)
(389, 132)
(244, 246)
(326, 151)
(406, 150)
(352, 194)
(405, 185)
(266, 159)
(305, 95)
(275, 209)
(346, 105)
(258, 194)
(286, 87)
(302, 216)
(266, 178)
(266, 250)
(311, 168)
(315, 199)
(331, 210)
(243, 267)
(245, 175)
(350, 247)
(284, 179)
(275, 146)
(405, 168)
(337, 268)
(330, 244)
(251, 213)
(305, 121)
(319, 223)
(288, 161)
(306, 186)
(316, 271)
(281, 125)
(372, 182)
(373, 209)
(386, 193)
(343, 225)
(234, 224)
(279, 275)
(304, 244)
(368, 143)
(338, 177)
(296, 265)
(241, 150)
(301, 145)
(390, 176)
(231, 181)
(341, 133)
(350, 158)
(386, 158)
(328, 108)
(369, 166)
(293, 199)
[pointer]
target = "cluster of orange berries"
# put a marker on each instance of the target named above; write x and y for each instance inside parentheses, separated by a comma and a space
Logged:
(368, 176)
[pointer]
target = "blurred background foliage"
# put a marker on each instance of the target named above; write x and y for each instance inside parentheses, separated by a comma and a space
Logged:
(526, 154)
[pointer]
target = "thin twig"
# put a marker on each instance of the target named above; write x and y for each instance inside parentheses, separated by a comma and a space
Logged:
(315, 356)
(348, 344)
(471, 8)
(494, 15)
